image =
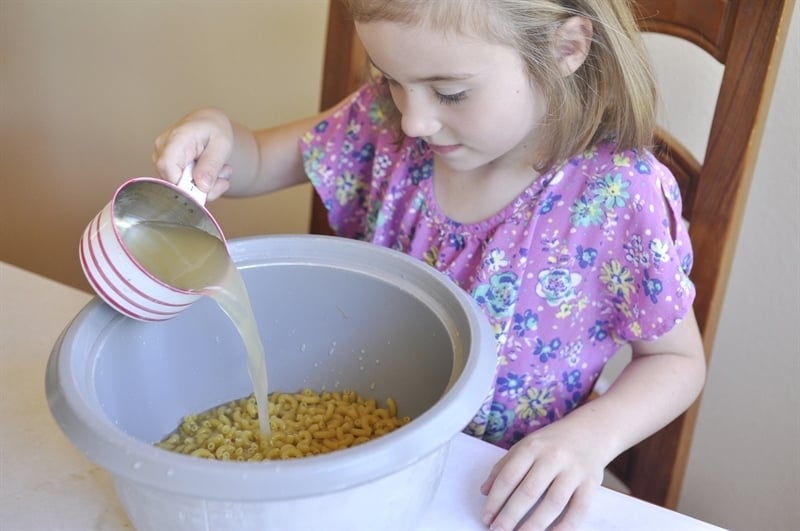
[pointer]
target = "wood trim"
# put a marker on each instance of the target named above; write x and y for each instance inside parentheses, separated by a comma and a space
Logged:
(344, 69)
(708, 23)
(655, 468)
(686, 169)
(346, 63)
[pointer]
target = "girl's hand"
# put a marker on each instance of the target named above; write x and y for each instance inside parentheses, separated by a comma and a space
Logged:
(205, 136)
(556, 469)
(553, 471)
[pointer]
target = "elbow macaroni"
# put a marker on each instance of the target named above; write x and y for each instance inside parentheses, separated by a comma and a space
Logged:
(301, 424)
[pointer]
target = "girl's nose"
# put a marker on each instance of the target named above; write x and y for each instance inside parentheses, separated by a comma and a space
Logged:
(418, 118)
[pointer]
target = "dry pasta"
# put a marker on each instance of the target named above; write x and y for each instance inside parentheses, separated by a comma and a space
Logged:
(301, 424)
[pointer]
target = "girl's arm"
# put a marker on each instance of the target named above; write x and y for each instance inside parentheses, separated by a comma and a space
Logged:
(560, 465)
(662, 380)
(230, 158)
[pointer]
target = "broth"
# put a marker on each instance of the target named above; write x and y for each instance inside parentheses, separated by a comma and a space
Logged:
(194, 260)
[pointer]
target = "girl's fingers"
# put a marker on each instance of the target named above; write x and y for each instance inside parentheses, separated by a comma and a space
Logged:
(211, 164)
(222, 183)
(577, 509)
(552, 504)
(502, 482)
(173, 152)
(204, 137)
(489, 481)
(516, 488)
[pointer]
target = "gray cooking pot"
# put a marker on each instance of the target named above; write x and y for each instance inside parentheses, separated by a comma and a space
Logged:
(333, 314)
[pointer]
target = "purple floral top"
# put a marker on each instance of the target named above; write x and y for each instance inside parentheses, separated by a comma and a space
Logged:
(591, 255)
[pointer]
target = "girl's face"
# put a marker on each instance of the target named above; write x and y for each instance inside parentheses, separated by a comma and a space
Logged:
(472, 101)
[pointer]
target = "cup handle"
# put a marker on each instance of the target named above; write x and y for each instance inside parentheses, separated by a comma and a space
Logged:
(186, 183)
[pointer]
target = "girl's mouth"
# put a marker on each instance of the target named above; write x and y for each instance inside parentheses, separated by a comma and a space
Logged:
(443, 150)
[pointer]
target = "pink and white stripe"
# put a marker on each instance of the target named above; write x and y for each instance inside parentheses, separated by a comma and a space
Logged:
(120, 280)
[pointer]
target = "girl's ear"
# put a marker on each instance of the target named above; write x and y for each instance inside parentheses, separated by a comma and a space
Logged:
(572, 42)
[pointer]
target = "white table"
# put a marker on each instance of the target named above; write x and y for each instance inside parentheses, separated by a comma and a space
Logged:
(47, 484)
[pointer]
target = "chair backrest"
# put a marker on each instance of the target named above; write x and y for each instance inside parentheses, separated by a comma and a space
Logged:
(746, 36)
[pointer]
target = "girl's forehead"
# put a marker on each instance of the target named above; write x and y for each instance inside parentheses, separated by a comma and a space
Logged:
(423, 53)
(385, 32)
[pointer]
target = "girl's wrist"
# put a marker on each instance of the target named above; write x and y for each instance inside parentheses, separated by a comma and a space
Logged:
(608, 435)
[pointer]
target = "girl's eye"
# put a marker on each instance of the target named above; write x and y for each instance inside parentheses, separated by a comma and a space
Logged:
(446, 99)
(450, 99)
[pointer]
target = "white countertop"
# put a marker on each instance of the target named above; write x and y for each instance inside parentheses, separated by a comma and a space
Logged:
(47, 484)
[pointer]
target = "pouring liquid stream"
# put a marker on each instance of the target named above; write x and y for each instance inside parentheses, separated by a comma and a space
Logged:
(191, 259)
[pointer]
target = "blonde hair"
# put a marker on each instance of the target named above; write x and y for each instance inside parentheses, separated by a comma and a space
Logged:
(610, 96)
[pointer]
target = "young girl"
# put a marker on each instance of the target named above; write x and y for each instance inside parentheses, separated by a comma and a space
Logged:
(505, 143)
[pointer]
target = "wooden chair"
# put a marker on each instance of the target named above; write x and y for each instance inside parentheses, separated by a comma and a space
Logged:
(747, 37)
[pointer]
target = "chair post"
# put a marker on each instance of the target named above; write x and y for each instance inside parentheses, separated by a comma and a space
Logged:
(654, 469)
(343, 71)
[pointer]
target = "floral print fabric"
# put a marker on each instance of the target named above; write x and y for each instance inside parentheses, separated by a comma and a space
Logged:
(591, 255)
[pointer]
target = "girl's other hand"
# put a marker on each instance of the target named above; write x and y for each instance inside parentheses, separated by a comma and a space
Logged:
(549, 476)
(204, 136)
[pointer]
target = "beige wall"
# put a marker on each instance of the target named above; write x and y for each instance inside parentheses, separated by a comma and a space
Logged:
(85, 86)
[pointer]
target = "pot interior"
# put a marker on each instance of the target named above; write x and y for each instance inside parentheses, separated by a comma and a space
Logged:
(323, 328)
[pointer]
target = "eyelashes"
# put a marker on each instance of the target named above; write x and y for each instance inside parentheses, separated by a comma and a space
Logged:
(446, 99)
(451, 99)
